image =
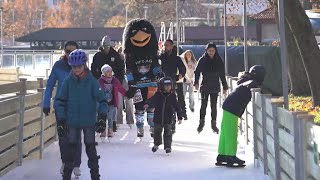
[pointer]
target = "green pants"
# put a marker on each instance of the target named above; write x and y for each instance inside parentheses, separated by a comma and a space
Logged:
(228, 134)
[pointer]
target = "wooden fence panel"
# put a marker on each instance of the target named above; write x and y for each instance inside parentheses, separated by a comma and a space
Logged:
(286, 141)
(311, 167)
(269, 124)
(32, 114)
(10, 88)
(8, 157)
(49, 133)
(284, 176)
(258, 101)
(260, 149)
(259, 116)
(31, 129)
(270, 145)
(32, 85)
(287, 164)
(259, 132)
(31, 144)
(9, 106)
(33, 155)
(8, 123)
(33, 100)
(271, 167)
(285, 119)
(49, 120)
(8, 140)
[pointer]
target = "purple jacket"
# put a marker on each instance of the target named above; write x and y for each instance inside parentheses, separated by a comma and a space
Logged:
(117, 88)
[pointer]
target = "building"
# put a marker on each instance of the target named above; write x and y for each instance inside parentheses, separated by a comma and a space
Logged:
(89, 38)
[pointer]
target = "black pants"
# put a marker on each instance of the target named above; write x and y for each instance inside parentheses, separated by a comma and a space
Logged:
(181, 101)
(167, 135)
(204, 103)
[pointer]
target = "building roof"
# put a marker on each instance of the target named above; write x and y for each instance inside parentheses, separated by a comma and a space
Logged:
(96, 34)
(267, 14)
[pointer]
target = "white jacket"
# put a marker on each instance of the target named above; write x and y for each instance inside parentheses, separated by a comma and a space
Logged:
(190, 67)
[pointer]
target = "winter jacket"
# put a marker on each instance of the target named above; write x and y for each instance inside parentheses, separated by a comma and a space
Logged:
(238, 100)
(117, 88)
(77, 102)
(59, 72)
(212, 70)
(113, 59)
(170, 64)
(190, 67)
(166, 105)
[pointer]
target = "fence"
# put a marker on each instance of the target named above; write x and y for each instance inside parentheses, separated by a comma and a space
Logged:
(24, 131)
(284, 142)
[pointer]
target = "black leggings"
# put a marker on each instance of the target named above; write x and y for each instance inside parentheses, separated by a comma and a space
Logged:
(204, 103)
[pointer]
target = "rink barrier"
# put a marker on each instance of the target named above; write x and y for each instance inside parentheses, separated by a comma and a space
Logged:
(24, 131)
(10, 75)
(284, 143)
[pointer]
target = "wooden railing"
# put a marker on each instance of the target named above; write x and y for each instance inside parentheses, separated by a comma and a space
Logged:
(24, 131)
(284, 143)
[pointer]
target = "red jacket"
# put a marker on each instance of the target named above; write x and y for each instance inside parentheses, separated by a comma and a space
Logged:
(117, 88)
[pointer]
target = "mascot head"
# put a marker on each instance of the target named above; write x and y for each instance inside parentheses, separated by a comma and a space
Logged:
(139, 37)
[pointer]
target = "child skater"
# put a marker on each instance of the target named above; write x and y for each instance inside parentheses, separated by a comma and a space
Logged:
(233, 108)
(165, 106)
(110, 85)
(76, 112)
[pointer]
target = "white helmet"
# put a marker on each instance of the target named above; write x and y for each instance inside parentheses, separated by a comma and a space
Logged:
(105, 68)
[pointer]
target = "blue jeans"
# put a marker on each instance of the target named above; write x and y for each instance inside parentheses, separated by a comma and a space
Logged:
(111, 116)
(63, 145)
(189, 88)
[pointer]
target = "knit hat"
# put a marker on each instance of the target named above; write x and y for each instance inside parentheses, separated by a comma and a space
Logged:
(105, 68)
(105, 41)
(211, 45)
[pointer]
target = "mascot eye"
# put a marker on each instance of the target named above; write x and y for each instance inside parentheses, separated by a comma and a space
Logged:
(134, 31)
(144, 29)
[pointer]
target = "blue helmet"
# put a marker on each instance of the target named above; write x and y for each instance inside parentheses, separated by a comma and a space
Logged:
(77, 57)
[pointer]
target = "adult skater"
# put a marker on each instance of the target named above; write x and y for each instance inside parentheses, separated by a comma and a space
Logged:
(211, 66)
(233, 108)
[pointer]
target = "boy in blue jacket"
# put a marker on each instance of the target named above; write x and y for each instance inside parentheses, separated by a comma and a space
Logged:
(60, 70)
(76, 112)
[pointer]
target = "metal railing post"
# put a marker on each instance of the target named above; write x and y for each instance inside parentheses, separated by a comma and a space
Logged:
(264, 135)
(299, 147)
(21, 111)
(41, 90)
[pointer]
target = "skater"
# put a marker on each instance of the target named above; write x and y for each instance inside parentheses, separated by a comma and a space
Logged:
(60, 70)
(108, 55)
(190, 62)
(165, 103)
(111, 86)
(76, 112)
(233, 108)
(171, 64)
(211, 66)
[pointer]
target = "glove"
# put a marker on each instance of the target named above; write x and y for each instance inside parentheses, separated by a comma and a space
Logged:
(46, 111)
(131, 92)
(62, 128)
(101, 123)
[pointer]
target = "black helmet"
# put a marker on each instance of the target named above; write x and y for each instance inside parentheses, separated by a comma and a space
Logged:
(257, 72)
(163, 81)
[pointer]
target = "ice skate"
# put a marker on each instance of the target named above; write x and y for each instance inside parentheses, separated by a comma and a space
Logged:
(214, 127)
(130, 126)
(77, 172)
(61, 169)
(201, 125)
(232, 160)
(151, 131)
(103, 135)
(140, 133)
(221, 160)
(155, 148)
(168, 151)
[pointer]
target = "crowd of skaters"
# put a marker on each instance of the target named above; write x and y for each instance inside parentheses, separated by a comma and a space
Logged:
(101, 92)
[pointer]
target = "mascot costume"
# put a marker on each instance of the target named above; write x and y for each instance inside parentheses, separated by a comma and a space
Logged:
(140, 47)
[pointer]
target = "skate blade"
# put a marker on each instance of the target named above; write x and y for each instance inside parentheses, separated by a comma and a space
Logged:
(236, 166)
(220, 164)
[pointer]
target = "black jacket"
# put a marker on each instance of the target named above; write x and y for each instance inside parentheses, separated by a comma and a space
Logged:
(170, 64)
(238, 100)
(212, 70)
(166, 105)
(113, 59)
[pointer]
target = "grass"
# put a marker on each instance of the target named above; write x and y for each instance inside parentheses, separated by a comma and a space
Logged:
(304, 103)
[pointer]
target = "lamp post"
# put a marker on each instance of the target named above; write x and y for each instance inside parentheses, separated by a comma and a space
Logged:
(1, 38)
(283, 51)
(145, 11)
(41, 14)
(13, 27)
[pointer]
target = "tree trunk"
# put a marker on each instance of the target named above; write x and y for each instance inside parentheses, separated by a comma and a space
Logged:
(297, 73)
(300, 26)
